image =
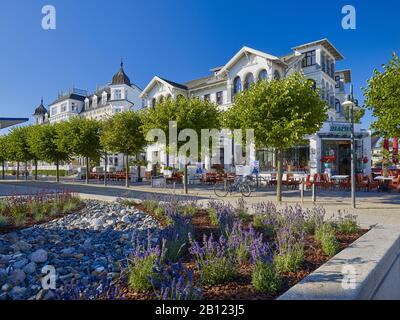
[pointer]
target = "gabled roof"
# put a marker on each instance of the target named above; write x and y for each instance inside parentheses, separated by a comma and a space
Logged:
(8, 122)
(323, 42)
(163, 81)
(346, 73)
(242, 52)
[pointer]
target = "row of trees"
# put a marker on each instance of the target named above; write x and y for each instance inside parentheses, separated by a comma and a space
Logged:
(281, 112)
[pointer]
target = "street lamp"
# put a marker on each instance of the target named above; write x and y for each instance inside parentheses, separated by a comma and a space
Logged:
(349, 103)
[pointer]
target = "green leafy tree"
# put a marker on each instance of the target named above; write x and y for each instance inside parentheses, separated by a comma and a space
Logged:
(79, 137)
(123, 134)
(3, 154)
(281, 112)
(188, 113)
(43, 143)
(18, 148)
(382, 97)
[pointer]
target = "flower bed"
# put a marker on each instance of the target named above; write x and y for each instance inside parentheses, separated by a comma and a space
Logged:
(17, 212)
(220, 251)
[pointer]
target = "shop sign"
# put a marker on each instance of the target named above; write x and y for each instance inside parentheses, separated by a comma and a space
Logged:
(340, 127)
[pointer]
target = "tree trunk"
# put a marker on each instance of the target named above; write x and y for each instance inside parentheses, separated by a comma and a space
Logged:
(57, 172)
(87, 170)
(279, 177)
(36, 170)
(127, 171)
(17, 170)
(105, 168)
(3, 171)
(139, 169)
(26, 170)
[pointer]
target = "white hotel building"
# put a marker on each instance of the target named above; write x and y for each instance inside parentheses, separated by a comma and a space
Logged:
(317, 60)
(120, 95)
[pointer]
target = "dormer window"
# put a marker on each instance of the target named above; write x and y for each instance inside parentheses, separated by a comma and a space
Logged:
(104, 99)
(117, 94)
(94, 102)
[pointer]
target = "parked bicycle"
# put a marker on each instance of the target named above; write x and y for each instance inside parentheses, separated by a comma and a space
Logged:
(239, 184)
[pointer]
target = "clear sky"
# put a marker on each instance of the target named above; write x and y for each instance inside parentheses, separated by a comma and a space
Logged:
(179, 40)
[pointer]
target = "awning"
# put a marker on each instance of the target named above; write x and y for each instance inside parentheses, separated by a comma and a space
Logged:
(8, 122)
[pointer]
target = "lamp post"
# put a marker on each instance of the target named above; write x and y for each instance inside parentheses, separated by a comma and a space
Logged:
(350, 104)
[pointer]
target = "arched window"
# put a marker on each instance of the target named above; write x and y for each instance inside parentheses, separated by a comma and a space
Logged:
(337, 105)
(277, 75)
(263, 75)
(248, 81)
(153, 102)
(237, 85)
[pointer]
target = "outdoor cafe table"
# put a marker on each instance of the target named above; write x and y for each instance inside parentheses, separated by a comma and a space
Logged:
(384, 183)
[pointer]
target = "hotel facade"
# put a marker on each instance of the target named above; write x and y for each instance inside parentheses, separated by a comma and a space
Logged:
(327, 150)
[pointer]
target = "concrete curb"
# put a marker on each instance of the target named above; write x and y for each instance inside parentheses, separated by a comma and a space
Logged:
(375, 260)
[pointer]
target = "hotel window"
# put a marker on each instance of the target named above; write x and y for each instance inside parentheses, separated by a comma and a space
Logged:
(237, 85)
(117, 94)
(323, 64)
(64, 107)
(54, 111)
(104, 99)
(309, 59)
(337, 80)
(248, 81)
(153, 102)
(332, 69)
(277, 75)
(263, 75)
(206, 97)
(328, 66)
(73, 106)
(219, 97)
(323, 90)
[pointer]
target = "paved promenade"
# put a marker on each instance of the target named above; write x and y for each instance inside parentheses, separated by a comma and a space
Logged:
(372, 207)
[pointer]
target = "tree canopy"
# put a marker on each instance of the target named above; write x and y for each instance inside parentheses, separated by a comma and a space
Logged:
(43, 142)
(281, 112)
(123, 134)
(189, 113)
(382, 96)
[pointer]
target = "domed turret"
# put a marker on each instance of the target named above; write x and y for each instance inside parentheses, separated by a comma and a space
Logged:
(41, 110)
(120, 77)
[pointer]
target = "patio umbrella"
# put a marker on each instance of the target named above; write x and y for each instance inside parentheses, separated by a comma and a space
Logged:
(395, 149)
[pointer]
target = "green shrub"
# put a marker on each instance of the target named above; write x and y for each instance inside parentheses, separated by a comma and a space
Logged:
(326, 236)
(150, 205)
(243, 215)
(159, 212)
(212, 213)
(218, 271)
(189, 210)
(347, 224)
(289, 261)
(265, 278)
(3, 221)
(141, 269)
(260, 223)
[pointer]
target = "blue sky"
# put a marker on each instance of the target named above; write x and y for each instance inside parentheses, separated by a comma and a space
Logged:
(179, 40)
